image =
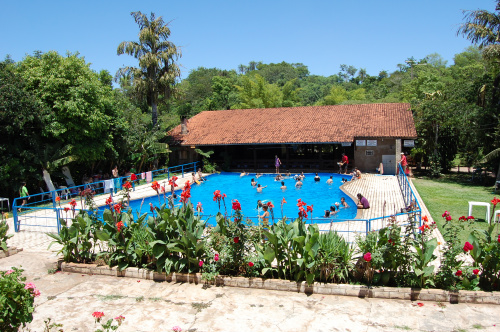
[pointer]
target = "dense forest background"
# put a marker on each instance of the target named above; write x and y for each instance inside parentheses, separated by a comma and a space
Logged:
(55, 110)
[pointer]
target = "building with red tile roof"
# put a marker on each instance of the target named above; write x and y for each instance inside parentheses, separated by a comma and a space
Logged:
(306, 137)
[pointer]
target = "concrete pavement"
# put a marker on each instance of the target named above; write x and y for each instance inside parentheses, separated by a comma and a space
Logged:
(70, 299)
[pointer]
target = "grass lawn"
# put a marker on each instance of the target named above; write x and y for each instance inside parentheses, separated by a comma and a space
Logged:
(452, 193)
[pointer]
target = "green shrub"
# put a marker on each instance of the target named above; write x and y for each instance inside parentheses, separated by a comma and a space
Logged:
(16, 300)
(4, 228)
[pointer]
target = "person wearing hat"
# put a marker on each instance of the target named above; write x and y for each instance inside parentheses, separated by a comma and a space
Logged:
(403, 162)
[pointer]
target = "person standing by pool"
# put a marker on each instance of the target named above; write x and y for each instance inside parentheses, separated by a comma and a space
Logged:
(259, 188)
(116, 179)
(277, 163)
(403, 162)
(362, 202)
(344, 163)
(23, 192)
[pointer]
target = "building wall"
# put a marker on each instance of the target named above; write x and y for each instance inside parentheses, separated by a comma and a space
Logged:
(369, 158)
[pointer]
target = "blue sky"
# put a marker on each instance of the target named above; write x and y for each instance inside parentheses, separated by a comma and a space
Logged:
(376, 35)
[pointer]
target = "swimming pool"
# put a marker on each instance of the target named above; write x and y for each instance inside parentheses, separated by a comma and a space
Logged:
(320, 194)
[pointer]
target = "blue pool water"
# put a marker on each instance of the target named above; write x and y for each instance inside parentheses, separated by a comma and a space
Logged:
(320, 194)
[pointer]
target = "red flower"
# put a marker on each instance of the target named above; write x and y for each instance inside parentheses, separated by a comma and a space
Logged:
(498, 238)
(72, 203)
(163, 189)
(420, 304)
(66, 209)
(119, 225)
(200, 263)
(133, 177)
(187, 185)
(250, 264)
(495, 201)
(475, 271)
(127, 185)
(155, 185)
(58, 199)
(186, 193)
(302, 212)
(448, 218)
(151, 207)
(446, 213)
(470, 218)
(283, 201)
(300, 203)
(216, 258)
(310, 208)
(172, 180)
(109, 200)
(468, 246)
(458, 273)
(463, 218)
(367, 257)
(236, 205)
(120, 318)
(270, 205)
(118, 208)
(391, 241)
(236, 239)
(98, 315)
(424, 227)
(425, 218)
(217, 195)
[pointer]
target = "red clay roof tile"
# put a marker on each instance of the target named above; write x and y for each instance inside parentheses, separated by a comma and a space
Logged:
(305, 124)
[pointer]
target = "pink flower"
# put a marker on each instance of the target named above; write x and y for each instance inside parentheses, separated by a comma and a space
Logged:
(120, 319)
(468, 246)
(9, 272)
(458, 273)
(29, 285)
(200, 263)
(176, 329)
(367, 257)
(36, 293)
(475, 271)
(250, 264)
(98, 315)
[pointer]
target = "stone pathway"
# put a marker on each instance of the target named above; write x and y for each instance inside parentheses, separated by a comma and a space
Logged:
(148, 306)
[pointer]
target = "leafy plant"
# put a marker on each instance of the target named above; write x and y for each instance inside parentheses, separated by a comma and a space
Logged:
(4, 229)
(16, 300)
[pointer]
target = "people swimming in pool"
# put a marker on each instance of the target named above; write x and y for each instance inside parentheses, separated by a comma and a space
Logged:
(253, 183)
(331, 212)
(298, 183)
(265, 216)
(317, 178)
(243, 173)
(330, 180)
(343, 202)
(283, 187)
(259, 188)
(278, 177)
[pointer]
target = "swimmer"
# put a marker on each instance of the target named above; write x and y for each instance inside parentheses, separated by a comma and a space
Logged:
(259, 188)
(243, 173)
(330, 180)
(331, 212)
(265, 216)
(253, 183)
(288, 173)
(278, 177)
(343, 202)
(298, 184)
(283, 187)
(302, 176)
(258, 175)
(317, 178)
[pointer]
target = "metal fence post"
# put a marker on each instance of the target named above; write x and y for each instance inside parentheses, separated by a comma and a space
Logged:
(14, 214)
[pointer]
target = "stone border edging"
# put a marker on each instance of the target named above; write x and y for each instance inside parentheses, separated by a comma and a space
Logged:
(10, 251)
(436, 295)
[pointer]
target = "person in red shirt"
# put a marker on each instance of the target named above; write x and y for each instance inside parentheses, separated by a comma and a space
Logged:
(344, 163)
(403, 162)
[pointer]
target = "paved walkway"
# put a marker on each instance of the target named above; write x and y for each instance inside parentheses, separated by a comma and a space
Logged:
(70, 299)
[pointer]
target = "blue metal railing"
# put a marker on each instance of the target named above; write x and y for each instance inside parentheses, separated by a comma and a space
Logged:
(48, 201)
(39, 203)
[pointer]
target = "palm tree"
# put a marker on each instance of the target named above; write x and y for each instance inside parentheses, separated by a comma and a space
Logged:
(158, 71)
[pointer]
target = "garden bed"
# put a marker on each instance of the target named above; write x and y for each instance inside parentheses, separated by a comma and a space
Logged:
(398, 293)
